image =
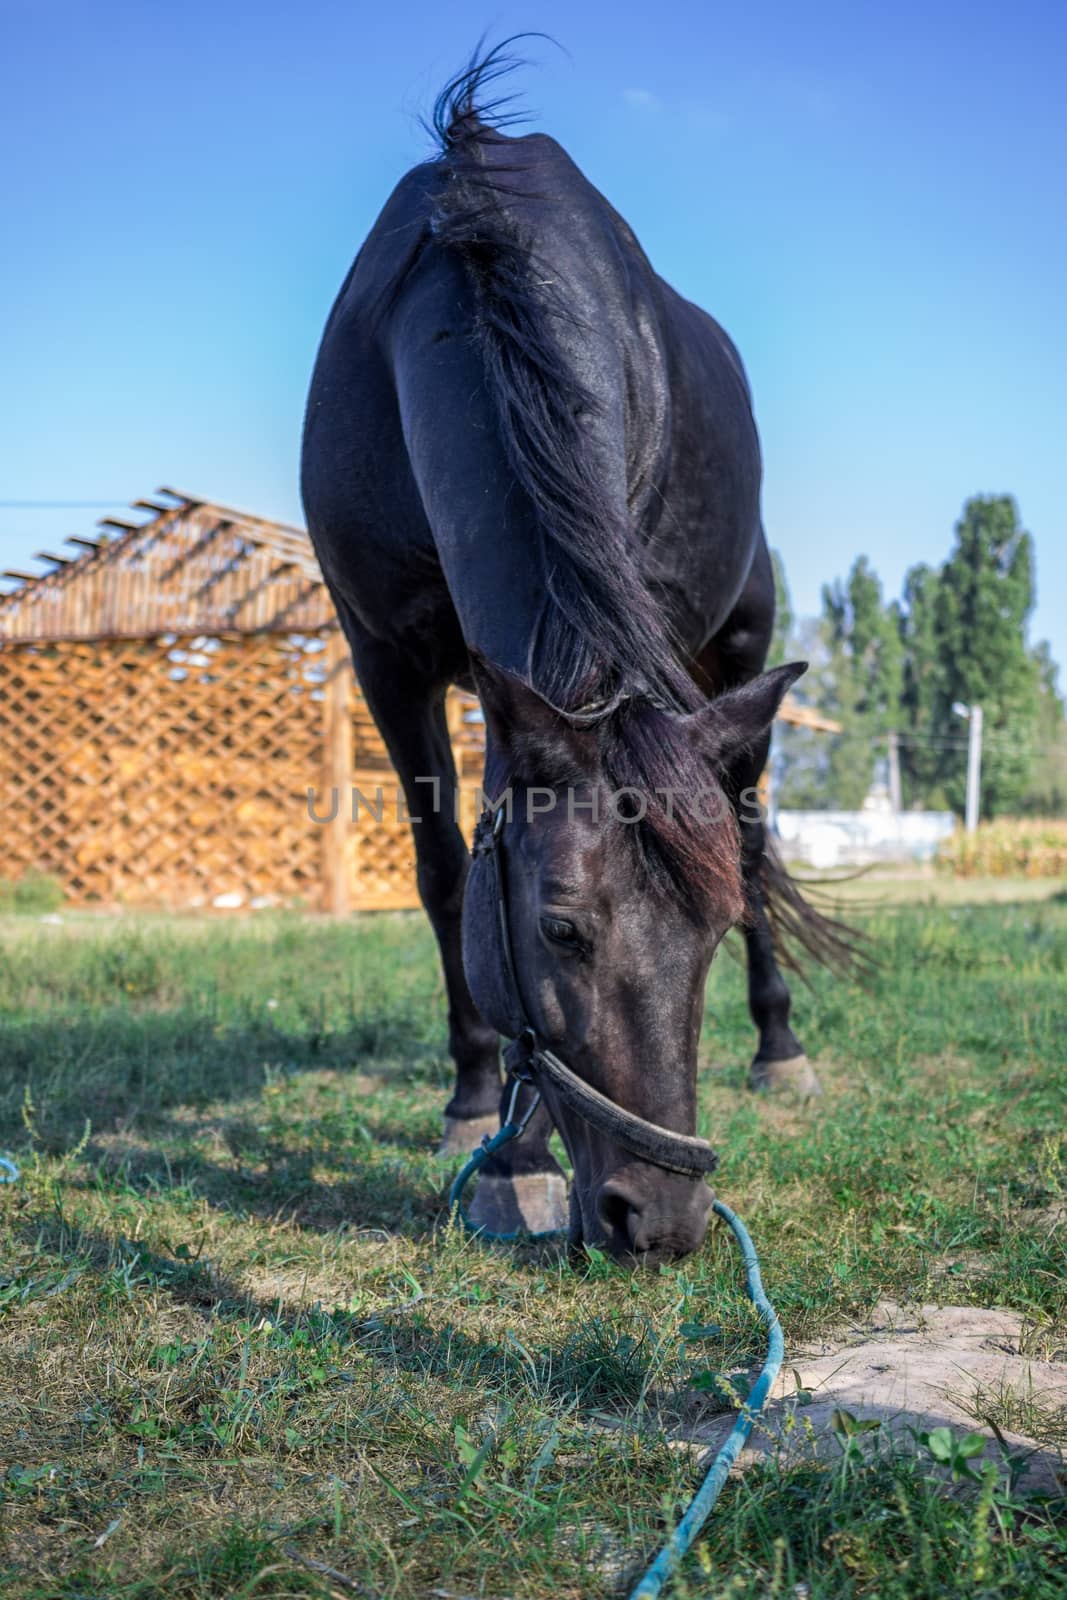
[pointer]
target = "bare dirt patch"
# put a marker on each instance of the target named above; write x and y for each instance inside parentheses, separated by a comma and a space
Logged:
(913, 1369)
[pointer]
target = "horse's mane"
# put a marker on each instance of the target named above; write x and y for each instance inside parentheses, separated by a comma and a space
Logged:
(604, 631)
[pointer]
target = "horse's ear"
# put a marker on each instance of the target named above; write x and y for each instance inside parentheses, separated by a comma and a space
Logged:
(736, 720)
(542, 743)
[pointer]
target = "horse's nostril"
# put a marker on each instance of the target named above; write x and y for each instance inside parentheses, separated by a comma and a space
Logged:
(620, 1212)
(657, 1221)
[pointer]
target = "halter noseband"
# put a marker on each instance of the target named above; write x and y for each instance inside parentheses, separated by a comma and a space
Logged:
(528, 1060)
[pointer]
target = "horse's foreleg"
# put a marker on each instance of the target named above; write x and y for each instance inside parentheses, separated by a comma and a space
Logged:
(410, 715)
(522, 1187)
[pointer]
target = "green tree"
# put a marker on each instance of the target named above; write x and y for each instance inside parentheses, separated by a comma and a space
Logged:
(781, 641)
(922, 691)
(983, 600)
(801, 756)
(798, 757)
(863, 680)
(1045, 795)
(959, 635)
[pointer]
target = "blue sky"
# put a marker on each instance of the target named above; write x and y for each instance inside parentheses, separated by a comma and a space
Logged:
(869, 197)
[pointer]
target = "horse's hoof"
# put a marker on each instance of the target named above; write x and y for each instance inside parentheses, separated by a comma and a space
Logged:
(796, 1073)
(461, 1135)
(530, 1202)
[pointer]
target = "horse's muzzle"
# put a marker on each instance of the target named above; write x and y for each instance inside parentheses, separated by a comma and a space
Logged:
(652, 1216)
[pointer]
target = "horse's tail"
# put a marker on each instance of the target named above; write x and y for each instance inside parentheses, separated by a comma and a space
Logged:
(808, 922)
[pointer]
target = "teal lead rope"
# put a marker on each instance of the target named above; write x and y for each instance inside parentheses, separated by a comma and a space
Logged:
(681, 1540)
(9, 1173)
(700, 1507)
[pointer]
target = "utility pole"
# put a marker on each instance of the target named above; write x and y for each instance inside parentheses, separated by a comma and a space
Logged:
(974, 769)
(974, 762)
(894, 772)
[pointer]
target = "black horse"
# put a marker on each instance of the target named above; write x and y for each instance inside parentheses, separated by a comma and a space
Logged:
(530, 466)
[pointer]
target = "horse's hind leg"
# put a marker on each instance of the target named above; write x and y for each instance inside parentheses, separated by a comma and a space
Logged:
(737, 654)
(779, 1061)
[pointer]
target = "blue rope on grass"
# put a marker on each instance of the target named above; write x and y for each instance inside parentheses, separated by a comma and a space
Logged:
(682, 1539)
(9, 1173)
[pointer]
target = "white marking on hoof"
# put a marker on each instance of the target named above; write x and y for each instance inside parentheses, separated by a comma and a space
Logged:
(796, 1073)
(531, 1202)
(461, 1135)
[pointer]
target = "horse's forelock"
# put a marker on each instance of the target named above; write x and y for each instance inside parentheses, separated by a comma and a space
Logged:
(689, 830)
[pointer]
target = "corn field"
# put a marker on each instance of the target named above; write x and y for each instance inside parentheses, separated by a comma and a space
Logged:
(1012, 847)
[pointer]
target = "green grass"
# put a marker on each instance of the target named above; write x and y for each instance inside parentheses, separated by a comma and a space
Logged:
(243, 1353)
(32, 894)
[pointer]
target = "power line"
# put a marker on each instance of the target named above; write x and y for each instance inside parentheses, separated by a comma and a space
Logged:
(946, 741)
(955, 740)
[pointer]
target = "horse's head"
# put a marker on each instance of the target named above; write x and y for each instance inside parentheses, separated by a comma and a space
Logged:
(620, 870)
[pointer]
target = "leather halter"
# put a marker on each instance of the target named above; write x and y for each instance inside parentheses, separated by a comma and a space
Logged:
(529, 1060)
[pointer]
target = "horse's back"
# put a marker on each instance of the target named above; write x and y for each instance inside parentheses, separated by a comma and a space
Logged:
(398, 445)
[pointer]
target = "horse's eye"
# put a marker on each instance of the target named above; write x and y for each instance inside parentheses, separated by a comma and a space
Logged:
(560, 931)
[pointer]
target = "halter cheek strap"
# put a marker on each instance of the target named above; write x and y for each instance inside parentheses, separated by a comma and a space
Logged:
(529, 1060)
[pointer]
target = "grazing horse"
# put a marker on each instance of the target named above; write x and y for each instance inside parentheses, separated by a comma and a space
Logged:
(530, 467)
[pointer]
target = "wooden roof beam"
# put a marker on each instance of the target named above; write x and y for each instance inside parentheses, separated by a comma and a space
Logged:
(46, 555)
(238, 515)
(283, 538)
(86, 544)
(799, 716)
(306, 593)
(227, 570)
(21, 577)
(121, 522)
(195, 551)
(283, 569)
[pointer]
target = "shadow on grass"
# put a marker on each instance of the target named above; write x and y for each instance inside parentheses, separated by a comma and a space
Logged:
(138, 1080)
(112, 1068)
(593, 1365)
(378, 1192)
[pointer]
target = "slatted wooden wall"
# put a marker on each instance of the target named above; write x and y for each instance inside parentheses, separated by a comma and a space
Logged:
(167, 700)
(174, 770)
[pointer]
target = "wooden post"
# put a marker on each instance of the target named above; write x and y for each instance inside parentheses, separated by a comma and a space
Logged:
(336, 773)
(468, 783)
(454, 716)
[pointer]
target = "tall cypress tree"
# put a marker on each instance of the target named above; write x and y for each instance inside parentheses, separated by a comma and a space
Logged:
(983, 601)
(863, 679)
(922, 691)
